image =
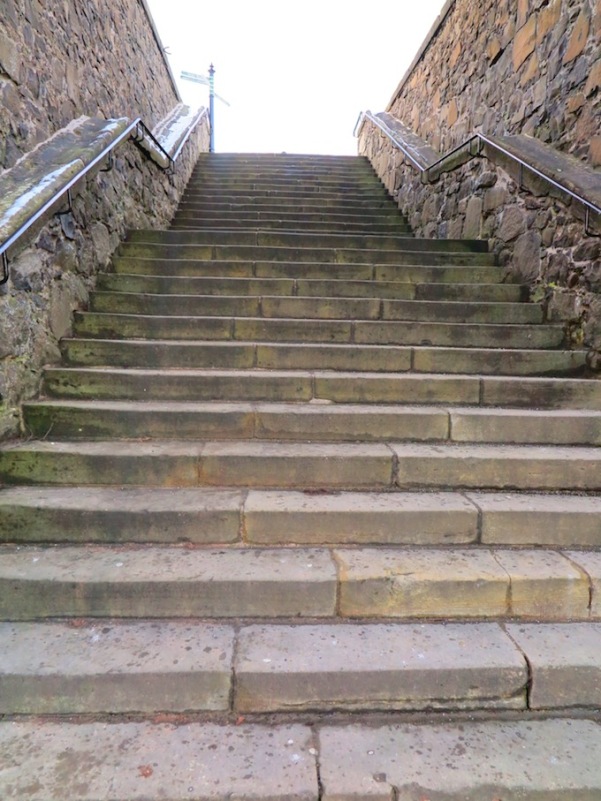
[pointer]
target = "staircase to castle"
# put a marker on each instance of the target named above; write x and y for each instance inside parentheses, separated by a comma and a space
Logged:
(310, 510)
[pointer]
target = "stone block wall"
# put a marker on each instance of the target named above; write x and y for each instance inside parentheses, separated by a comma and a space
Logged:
(507, 67)
(60, 60)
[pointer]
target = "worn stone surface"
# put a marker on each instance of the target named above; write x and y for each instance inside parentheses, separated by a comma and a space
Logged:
(127, 761)
(499, 467)
(166, 582)
(545, 585)
(421, 583)
(530, 519)
(590, 563)
(106, 514)
(378, 667)
(115, 667)
(565, 662)
(551, 760)
(411, 518)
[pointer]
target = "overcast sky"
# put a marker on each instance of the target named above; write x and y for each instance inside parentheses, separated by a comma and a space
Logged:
(296, 74)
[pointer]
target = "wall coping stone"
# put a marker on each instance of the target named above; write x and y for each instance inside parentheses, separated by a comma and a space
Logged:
(38, 175)
(555, 165)
(42, 173)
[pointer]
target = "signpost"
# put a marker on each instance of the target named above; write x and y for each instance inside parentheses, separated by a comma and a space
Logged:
(207, 80)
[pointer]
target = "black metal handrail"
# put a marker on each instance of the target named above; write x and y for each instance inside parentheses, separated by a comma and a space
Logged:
(480, 140)
(137, 131)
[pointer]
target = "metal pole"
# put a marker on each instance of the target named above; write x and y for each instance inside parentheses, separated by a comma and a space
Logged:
(212, 108)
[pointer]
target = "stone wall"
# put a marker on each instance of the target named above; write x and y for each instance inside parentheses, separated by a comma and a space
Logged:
(59, 60)
(507, 67)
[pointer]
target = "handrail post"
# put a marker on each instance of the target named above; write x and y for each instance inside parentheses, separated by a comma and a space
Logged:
(212, 108)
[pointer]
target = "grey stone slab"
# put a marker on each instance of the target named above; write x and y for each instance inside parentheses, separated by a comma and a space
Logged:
(526, 392)
(378, 666)
(590, 563)
(168, 462)
(45, 761)
(281, 464)
(424, 583)
(355, 517)
(565, 660)
(497, 361)
(351, 422)
(528, 467)
(365, 387)
(539, 519)
(128, 514)
(545, 585)
(553, 426)
(114, 667)
(165, 582)
(540, 760)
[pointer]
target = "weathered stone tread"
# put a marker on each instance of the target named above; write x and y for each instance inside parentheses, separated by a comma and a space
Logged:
(93, 761)
(545, 760)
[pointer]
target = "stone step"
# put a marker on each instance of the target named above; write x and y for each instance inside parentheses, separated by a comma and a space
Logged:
(315, 422)
(407, 268)
(322, 328)
(365, 583)
(196, 221)
(286, 517)
(114, 666)
(538, 760)
(290, 254)
(294, 239)
(535, 760)
(324, 307)
(283, 287)
(265, 355)
(319, 386)
(270, 464)
(293, 206)
(288, 184)
(249, 214)
(302, 190)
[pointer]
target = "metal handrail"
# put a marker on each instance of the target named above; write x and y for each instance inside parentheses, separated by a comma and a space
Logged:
(137, 131)
(481, 140)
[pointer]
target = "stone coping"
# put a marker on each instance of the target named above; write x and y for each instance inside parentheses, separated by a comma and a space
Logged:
(38, 176)
(171, 132)
(562, 168)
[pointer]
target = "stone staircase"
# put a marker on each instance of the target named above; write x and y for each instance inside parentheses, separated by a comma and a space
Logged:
(310, 510)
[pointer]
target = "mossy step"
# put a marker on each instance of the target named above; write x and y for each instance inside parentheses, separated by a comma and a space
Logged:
(407, 268)
(315, 422)
(303, 240)
(324, 307)
(272, 385)
(206, 516)
(266, 464)
(308, 205)
(319, 356)
(393, 583)
(288, 190)
(196, 222)
(319, 329)
(252, 214)
(217, 383)
(280, 287)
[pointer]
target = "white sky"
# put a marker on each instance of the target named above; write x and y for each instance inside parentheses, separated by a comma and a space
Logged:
(296, 74)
